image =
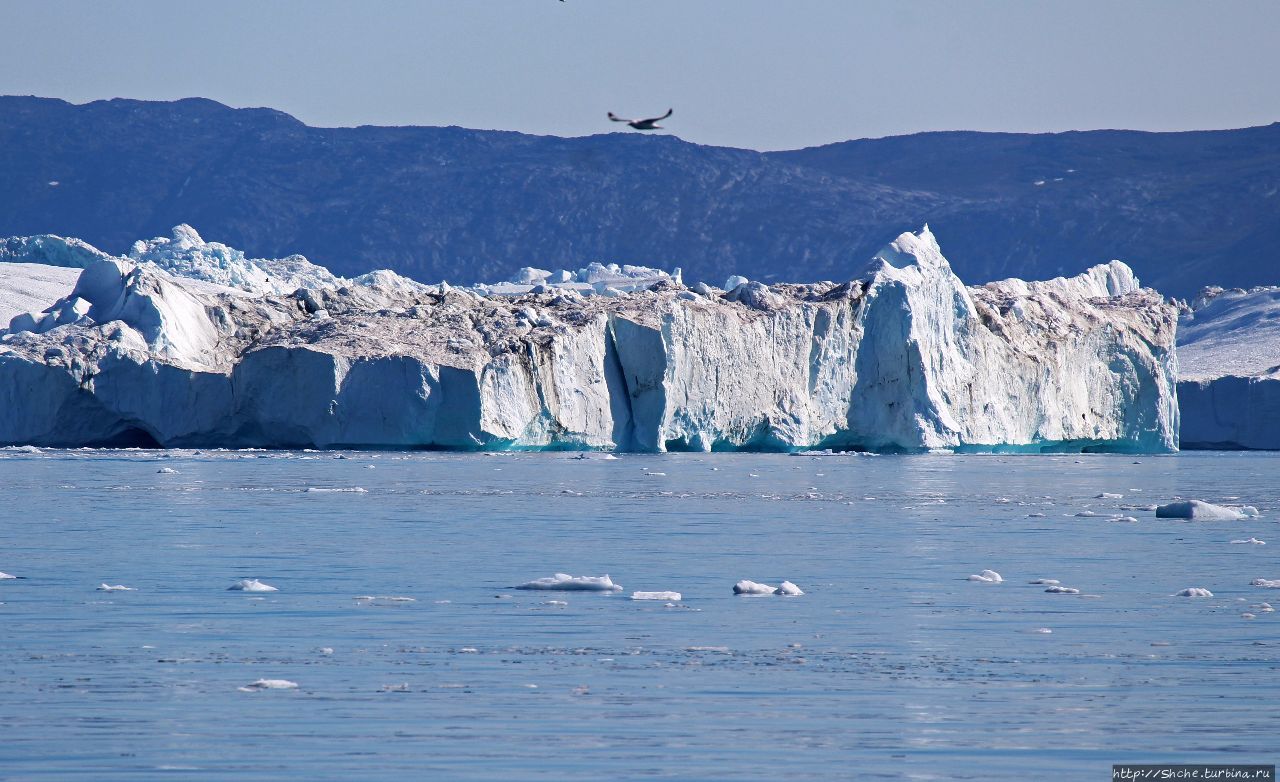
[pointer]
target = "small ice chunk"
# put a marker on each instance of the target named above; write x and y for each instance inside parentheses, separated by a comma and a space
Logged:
(1046, 581)
(789, 589)
(1056, 589)
(166, 471)
(1263, 607)
(269, 684)
(1251, 541)
(1196, 510)
(1194, 592)
(251, 585)
(117, 588)
(1128, 519)
(745, 587)
(1042, 630)
(555, 603)
(1088, 514)
(1107, 495)
(4, 576)
(655, 596)
(339, 490)
(567, 583)
(1266, 583)
(987, 577)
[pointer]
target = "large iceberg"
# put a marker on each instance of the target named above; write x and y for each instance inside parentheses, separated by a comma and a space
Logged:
(1229, 359)
(157, 350)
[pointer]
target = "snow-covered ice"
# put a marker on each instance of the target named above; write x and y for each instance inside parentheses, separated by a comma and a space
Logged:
(987, 577)
(105, 587)
(1057, 589)
(1197, 510)
(251, 585)
(1045, 581)
(789, 589)
(746, 587)
(1250, 541)
(269, 684)
(1266, 583)
(656, 596)
(567, 583)
(1194, 592)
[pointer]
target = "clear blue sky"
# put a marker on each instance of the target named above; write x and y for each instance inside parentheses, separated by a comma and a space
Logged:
(751, 73)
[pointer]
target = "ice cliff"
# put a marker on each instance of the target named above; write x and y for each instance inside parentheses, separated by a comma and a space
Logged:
(1229, 382)
(178, 345)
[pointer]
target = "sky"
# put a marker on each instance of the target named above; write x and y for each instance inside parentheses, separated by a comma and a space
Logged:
(748, 73)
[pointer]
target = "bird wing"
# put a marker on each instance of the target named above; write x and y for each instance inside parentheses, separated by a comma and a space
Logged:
(664, 116)
(616, 118)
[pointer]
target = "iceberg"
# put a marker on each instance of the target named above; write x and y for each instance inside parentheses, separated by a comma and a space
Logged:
(563, 582)
(183, 344)
(1229, 376)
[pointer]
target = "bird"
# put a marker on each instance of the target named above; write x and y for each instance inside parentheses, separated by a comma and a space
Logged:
(641, 124)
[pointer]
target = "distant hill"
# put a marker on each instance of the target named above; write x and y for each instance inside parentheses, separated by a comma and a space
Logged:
(1184, 209)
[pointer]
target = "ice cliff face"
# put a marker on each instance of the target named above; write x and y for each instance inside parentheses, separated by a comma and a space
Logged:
(1229, 356)
(905, 358)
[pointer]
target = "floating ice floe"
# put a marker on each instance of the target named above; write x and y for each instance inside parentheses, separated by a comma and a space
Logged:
(340, 490)
(987, 577)
(789, 589)
(1250, 541)
(166, 471)
(105, 587)
(1056, 589)
(746, 587)
(1194, 592)
(655, 596)
(567, 583)
(251, 585)
(269, 684)
(1046, 581)
(388, 598)
(1042, 630)
(1124, 519)
(1266, 583)
(1263, 608)
(1197, 510)
(1107, 495)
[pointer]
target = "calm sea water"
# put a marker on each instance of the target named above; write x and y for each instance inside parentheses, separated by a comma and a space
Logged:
(893, 665)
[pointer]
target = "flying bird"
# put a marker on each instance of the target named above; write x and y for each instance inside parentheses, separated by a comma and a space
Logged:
(641, 124)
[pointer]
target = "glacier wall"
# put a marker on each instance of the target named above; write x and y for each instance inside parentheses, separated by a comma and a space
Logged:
(904, 358)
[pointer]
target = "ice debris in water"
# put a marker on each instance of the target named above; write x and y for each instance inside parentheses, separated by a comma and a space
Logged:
(1251, 541)
(1042, 630)
(745, 587)
(251, 585)
(655, 596)
(1266, 583)
(1055, 589)
(269, 684)
(1197, 510)
(568, 583)
(789, 589)
(4, 576)
(166, 471)
(117, 588)
(1194, 592)
(1106, 495)
(340, 490)
(1046, 581)
(987, 577)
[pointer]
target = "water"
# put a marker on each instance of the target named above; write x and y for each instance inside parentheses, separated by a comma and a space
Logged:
(891, 666)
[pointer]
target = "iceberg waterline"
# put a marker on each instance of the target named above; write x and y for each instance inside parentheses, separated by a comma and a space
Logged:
(905, 358)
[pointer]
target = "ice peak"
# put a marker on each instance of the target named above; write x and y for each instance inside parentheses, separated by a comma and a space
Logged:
(918, 249)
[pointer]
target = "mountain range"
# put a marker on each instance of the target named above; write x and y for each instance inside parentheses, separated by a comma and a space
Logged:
(1184, 209)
